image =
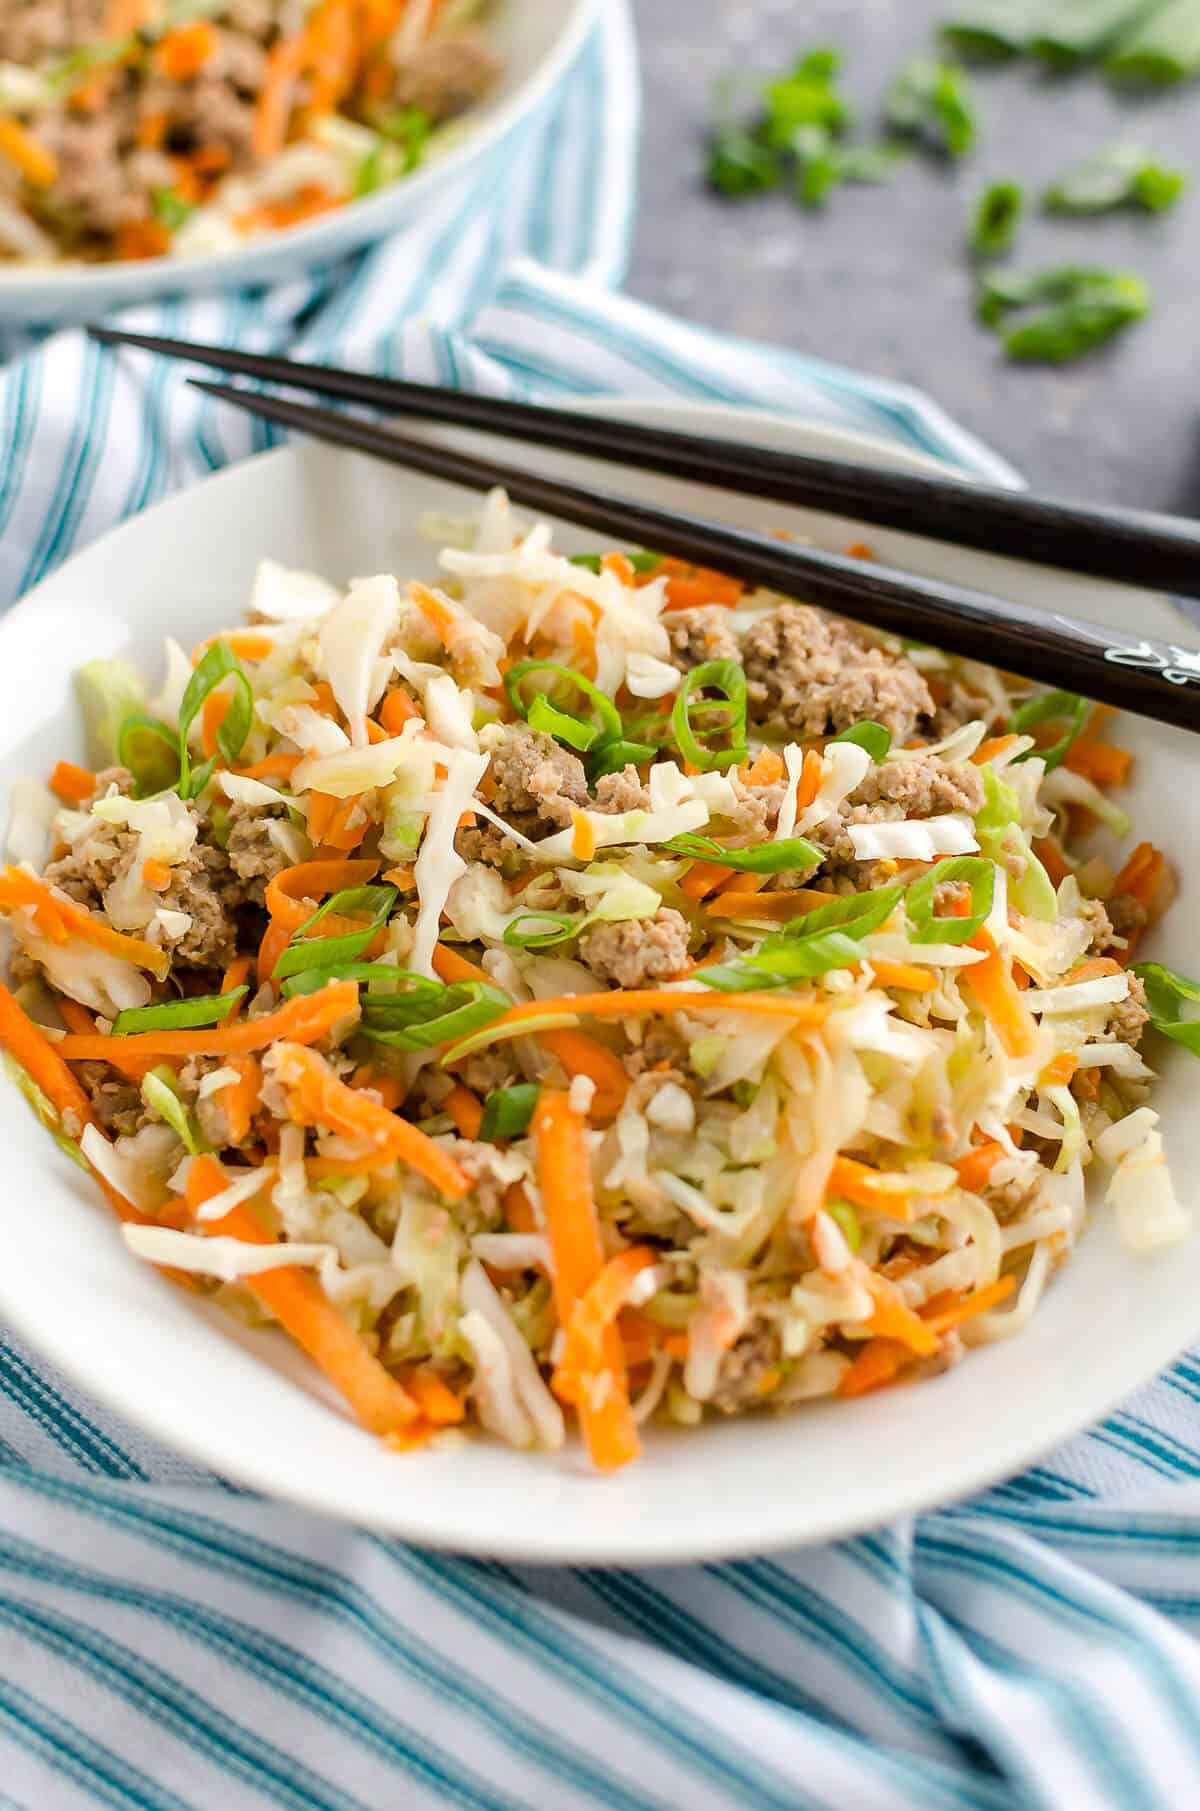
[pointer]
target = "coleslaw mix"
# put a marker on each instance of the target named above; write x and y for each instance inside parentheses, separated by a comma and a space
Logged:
(135, 129)
(578, 989)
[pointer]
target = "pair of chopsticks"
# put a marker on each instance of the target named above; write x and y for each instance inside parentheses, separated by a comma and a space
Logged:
(1133, 672)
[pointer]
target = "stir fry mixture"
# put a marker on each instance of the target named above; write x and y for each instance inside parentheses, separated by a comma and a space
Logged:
(579, 988)
(137, 128)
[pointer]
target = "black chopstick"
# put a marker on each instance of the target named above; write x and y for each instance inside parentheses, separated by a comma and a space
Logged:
(1140, 548)
(1151, 677)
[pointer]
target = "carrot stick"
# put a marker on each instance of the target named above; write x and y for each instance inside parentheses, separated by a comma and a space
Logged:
(580, 1054)
(72, 784)
(995, 745)
(978, 1164)
(877, 1364)
(275, 767)
(810, 779)
(302, 1020)
(978, 1302)
(396, 710)
(435, 1399)
(1092, 970)
(295, 1298)
(1059, 1070)
(764, 770)
(38, 166)
(1141, 874)
(273, 112)
(518, 1209)
(239, 1099)
(620, 1004)
(594, 1315)
(449, 966)
(903, 975)
(778, 907)
(276, 938)
(703, 877)
(19, 888)
(573, 1229)
(237, 974)
(317, 1097)
(465, 1109)
(1101, 762)
(1050, 854)
(894, 1319)
(866, 1187)
(292, 894)
(999, 999)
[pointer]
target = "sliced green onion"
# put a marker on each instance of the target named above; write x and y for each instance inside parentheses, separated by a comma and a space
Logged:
(999, 833)
(170, 208)
(857, 915)
(978, 873)
(311, 980)
(461, 1010)
(1050, 707)
(1079, 31)
(408, 127)
(933, 101)
(1003, 290)
(869, 735)
(542, 715)
(1068, 330)
(1162, 47)
(149, 748)
(178, 1015)
(615, 757)
(765, 858)
(645, 561)
(219, 663)
(1167, 994)
(305, 952)
(557, 927)
(1121, 176)
(725, 716)
(784, 960)
(159, 1093)
(593, 562)
(844, 1215)
(996, 218)
(507, 1112)
(993, 29)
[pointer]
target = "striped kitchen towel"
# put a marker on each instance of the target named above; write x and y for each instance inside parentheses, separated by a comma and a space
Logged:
(168, 1643)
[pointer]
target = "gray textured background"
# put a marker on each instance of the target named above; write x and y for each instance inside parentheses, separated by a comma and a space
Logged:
(881, 281)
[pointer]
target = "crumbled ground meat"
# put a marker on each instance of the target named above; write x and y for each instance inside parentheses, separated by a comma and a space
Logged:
(1127, 915)
(807, 673)
(484, 843)
(962, 705)
(1093, 913)
(489, 1069)
(447, 75)
(623, 791)
(922, 788)
(757, 809)
(699, 635)
(663, 1048)
(1129, 1017)
(253, 856)
(116, 1102)
(107, 779)
(535, 779)
(637, 950)
(31, 30)
(745, 1377)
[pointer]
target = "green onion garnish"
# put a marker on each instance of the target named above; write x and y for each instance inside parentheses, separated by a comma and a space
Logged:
(1078, 31)
(1050, 707)
(844, 1214)
(170, 208)
(218, 663)
(307, 952)
(415, 1022)
(548, 929)
(542, 715)
(869, 735)
(723, 717)
(1119, 177)
(159, 1091)
(311, 980)
(592, 562)
(1167, 993)
(1087, 307)
(178, 1015)
(827, 938)
(978, 873)
(996, 218)
(993, 29)
(1163, 46)
(857, 915)
(149, 748)
(614, 757)
(645, 561)
(508, 1111)
(933, 101)
(765, 858)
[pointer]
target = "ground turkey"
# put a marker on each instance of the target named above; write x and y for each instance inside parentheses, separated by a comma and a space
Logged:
(807, 674)
(116, 1102)
(536, 782)
(748, 1371)
(447, 75)
(1129, 1017)
(923, 788)
(253, 856)
(699, 635)
(637, 951)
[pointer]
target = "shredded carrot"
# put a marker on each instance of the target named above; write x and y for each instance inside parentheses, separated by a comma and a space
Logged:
(999, 999)
(858, 1182)
(1050, 854)
(904, 975)
(273, 112)
(583, 836)
(317, 1097)
(978, 1302)
(434, 1397)
(1141, 875)
(620, 1004)
(518, 1209)
(292, 895)
(465, 1109)
(764, 770)
(396, 710)
(1101, 762)
(995, 745)
(296, 1300)
(593, 1319)
(375, 731)
(215, 711)
(744, 883)
(78, 1018)
(348, 825)
(156, 875)
(703, 877)
(601, 1395)
(876, 1364)
(276, 938)
(138, 239)
(580, 1054)
(978, 1164)
(275, 767)
(38, 166)
(152, 130)
(437, 614)
(72, 784)
(182, 53)
(239, 1099)
(778, 907)
(246, 644)
(893, 1318)
(1092, 970)
(59, 914)
(321, 807)
(1059, 1071)
(449, 966)
(302, 1020)
(621, 567)
(390, 1089)
(583, 646)
(810, 779)
(237, 974)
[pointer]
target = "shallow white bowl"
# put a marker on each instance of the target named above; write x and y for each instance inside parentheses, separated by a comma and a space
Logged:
(538, 39)
(244, 1404)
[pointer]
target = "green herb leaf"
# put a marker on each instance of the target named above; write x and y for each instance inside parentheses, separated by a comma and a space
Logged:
(980, 876)
(507, 1112)
(765, 858)
(305, 952)
(869, 735)
(1050, 707)
(218, 663)
(933, 101)
(541, 714)
(722, 719)
(557, 927)
(738, 165)
(996, 218)
(1168, 994)
(1120, 177)
(149, 748)
(178, 1015)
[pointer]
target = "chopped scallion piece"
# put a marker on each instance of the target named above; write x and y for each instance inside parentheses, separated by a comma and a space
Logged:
(1120, 177)
(1161, 46)
(869, 735)
(1050, 707)
(933, 101)
(149, 748)
(541, 714)
(722, 719)
(218, 663)
(556, 927)
(507, 1112)
(417, 1022)
(924, 926)
(764, 858)
(178, 1015)
(996, 218)
(1079, 31)
(308, 952)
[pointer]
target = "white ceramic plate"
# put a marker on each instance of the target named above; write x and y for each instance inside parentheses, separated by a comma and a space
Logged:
(243, 1404)
(538, 39)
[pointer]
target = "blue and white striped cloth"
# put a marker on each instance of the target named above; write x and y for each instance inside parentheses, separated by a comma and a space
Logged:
(170, 1644)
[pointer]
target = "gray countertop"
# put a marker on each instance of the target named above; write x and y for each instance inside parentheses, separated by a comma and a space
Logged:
(881, 281)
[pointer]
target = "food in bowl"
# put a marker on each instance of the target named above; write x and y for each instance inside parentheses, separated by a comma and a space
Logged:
(133, 129)
(580, 989)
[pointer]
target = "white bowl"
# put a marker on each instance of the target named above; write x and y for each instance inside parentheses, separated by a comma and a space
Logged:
(244, 1404)
(538, 39)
